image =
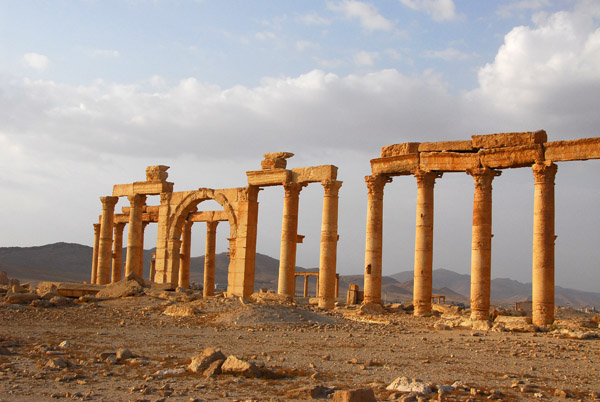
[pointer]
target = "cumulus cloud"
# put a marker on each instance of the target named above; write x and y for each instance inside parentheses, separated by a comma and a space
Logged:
(367, 15)
(365, 58)
(510, 9)
(36, 61)
(439, 10)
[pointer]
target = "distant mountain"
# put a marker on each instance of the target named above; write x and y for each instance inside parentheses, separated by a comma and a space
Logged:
(72, 262)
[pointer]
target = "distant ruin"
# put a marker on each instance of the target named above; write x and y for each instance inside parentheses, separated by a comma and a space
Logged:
(178, 211)
(481, 157)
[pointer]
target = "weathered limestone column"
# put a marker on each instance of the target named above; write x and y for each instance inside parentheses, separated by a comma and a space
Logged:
(152, 267)
(424, 242)
(105, 244)
(140, 268)
(329, 239)
(481, 243)
(135, 235)
(209, 258)
(95, 253)
(117, 262)
(543, 244)
(374, 239)
(337, 285)
(305, 286)
(289, 237)
(185, 255)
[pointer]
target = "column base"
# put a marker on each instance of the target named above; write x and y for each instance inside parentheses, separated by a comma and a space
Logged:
(480, 315)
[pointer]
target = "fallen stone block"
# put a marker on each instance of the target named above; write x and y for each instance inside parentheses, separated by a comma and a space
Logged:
(356, 395)
(122, 288)
(233, 365)
(20, 298)
(202, 361)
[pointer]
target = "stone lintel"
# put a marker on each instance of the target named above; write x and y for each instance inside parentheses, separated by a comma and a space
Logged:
(151, 209)
(511, 157)
(272, 177)
(395, 165)
(208, 216)
(68, 289)
(444, 146)
(314, 174)
(142, 187)
(146, 217)
(448, 161)
(572, 150)
(509, 139)
(405, 148)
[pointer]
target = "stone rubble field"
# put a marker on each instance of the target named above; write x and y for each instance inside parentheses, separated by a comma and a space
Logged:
(141, 344)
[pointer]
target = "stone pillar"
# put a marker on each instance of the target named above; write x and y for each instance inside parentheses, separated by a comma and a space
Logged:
(337, 285)
(543, 244)
(105, 244)
(289, 237)
(374, 241)
(152, 267)
(424, 242)
(185, 255)
(117, 262)
(329, 239)
(305, 285)
(95, 253)
(135, 234)
(481, 243)
(209, 258)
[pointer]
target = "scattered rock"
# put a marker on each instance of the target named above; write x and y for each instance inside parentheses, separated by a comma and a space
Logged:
(403, 384)
(61, 301)
(20, 298)
(315, 392)
(214, 368)
(516, 324)
(179, 311)
(481, 325)
(57, 363)
(41, 304)
(122, 288)
(64, 345)
(124, 354)
(233, 365)
(202, 361)
(371, 308)
(172, 371)
(357, 395)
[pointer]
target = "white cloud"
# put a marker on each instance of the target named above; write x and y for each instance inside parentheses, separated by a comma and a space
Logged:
(447, 54)
(105, 53)
(36, 61)
(365, 58)
(439, 10)
(367, 14)
(508, 10)
(303, 45)
(265, 35)
(313, 19)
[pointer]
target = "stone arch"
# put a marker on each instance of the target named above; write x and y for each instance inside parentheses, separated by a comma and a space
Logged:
(190, 201)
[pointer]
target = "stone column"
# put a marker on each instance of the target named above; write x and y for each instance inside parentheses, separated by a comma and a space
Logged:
(481, 243)
(209, 258)
(374, 241)
(337, 285)
(329, 239)
(117, 262)
(152, 267)
(424, 242)
(185, 255)
(543, 244)
(135, 234)
(105, 244)
(140, 268)
(95, 253)
(289, 237)
(305, 285)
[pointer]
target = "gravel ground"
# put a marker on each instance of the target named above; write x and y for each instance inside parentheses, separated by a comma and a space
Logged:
(69, 353)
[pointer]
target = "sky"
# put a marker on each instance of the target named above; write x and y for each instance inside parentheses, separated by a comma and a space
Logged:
(92, 92)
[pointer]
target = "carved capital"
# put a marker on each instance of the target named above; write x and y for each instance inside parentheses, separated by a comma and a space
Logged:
(211, 226)
(544, 172)
(157, 173)
(165, 198)
(426, 178)
(109, 202)
(376, 183)
(137, 200)
(331, 187)
(96, 228)
(249, 193)
(292, 189)
(483, 177)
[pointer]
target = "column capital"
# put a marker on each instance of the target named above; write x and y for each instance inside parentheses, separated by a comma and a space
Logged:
(483, 176)
(426, 177)
(544, 172)
(96, 228)
(137, 199)
(292, 189)
(109, 201)
(375, 183)
(211, 225)
(331, 187)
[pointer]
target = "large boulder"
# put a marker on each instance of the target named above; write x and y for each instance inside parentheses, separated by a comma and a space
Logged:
(233, 365)
(202, 361)
(122, 288)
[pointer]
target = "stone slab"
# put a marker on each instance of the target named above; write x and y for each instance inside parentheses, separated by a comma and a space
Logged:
(443, 146)
(70, 289)
(142, 187)
(511, 157)
(395, 165)
(405, 148)
(265, 178)
(448, 161)
(573, 150)
(314, 174)
(124, 218)
(509, 139)
(208, 216)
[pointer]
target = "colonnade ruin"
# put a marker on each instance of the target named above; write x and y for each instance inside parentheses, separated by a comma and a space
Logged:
(483, 157)
(178, 211)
